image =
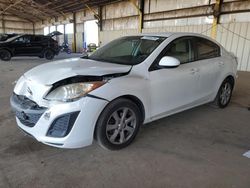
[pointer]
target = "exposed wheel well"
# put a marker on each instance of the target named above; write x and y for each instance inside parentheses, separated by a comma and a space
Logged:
(137, 102)
(47, 49)
(7, 50)
(231, 79)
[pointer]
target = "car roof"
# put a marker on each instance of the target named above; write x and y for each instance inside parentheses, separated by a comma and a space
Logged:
(168, 34)
(180, 34)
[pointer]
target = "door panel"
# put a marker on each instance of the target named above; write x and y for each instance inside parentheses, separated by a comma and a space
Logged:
(173, 88)
(19, 48)
(36, 46)
(22, 45)
(208, 77)
(208, 58)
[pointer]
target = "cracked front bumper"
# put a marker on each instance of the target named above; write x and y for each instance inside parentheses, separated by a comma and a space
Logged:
(38, 121)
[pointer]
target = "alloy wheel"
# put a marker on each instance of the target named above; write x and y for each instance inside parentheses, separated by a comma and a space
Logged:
(121, 125)
(225, 93)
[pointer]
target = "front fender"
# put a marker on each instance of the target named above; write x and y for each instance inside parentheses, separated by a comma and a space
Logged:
(8, 49)
(126, 85)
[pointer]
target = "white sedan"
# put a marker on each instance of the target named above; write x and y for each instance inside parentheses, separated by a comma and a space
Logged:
(129, 82)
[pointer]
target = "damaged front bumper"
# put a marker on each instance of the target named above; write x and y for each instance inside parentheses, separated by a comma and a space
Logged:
(65, 125)
(26, 110)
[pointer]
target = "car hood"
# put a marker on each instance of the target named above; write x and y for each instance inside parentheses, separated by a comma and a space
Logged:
(52, 72)
(3, 42)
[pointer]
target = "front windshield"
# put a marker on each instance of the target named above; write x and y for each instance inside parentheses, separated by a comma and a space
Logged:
(127, 50)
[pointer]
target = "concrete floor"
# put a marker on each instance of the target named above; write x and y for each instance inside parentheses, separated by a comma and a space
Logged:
(201, 147)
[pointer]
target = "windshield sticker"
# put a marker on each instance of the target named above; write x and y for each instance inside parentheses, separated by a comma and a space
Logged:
(150, 38)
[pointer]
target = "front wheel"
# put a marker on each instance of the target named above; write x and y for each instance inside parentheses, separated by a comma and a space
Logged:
(118, 124)
(224, 94)
(68, 51)
(5, 55)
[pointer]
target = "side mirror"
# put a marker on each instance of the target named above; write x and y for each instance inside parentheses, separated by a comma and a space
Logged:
(169, 62)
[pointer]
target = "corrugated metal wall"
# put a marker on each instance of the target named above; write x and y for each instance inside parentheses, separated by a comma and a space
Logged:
(235, 37)
(233, 32)
(13, 24)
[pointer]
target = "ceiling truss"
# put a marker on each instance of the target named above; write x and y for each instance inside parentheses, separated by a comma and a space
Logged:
(38, 10)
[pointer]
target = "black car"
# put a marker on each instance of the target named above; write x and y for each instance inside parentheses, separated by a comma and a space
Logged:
(29, 45)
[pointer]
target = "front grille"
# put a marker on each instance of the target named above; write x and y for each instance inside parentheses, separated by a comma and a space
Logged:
(27, 111)
(28, 119)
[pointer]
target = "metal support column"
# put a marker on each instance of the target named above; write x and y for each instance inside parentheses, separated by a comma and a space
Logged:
(34, 30)
(140, 10)
(3, 24)
(99, 24)
(142, 14)
(64, 34)
(74, 25)
(100, 17)
(216, 14)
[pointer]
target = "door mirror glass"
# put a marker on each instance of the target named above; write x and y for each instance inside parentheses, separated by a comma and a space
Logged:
(169, 62)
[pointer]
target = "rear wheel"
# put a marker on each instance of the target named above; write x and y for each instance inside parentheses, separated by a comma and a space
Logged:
(68, 51)
(5, 55)
(224, 94)
(118, 124)
(49, 54)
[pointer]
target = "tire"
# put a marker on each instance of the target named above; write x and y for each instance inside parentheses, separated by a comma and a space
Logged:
(224, 94)
(110, 133)
(49, 54)
(68, 51)
(5, 55)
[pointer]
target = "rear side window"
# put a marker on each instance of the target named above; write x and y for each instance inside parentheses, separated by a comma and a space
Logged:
(206, 49)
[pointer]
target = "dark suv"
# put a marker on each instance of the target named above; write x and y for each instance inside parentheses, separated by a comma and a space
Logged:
(29, 45)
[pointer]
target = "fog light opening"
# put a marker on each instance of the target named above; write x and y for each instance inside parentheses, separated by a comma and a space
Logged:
(62, 125)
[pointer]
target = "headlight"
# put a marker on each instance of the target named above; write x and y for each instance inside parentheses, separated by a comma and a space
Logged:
(74, 91)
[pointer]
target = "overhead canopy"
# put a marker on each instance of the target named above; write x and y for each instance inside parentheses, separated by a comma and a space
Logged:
(37, 10)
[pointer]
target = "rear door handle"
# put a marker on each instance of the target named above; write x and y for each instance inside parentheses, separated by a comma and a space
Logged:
(221, 63)
(194, 70)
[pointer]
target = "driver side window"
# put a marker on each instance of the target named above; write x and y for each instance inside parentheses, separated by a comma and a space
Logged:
(181, 49)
